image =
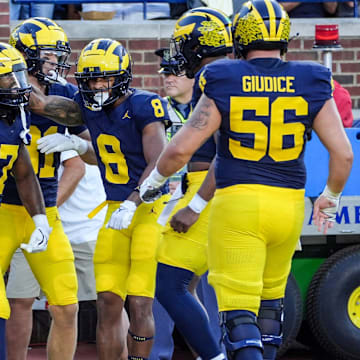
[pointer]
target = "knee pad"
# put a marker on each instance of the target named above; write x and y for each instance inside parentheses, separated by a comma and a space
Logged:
(270, 319)
(239, 323)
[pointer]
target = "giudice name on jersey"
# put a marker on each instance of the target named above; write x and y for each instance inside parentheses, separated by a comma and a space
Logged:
(255, 83)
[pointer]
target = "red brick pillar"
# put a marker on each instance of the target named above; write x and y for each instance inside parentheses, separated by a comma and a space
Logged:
(4, 21)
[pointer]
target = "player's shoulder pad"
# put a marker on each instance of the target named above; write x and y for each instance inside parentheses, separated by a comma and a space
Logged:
(216, 70)
(67, 90)
(140, 98)
(147, 105)
(312, 68)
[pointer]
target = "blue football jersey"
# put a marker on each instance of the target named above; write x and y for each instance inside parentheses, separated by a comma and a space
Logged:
(267, 107)
(116, 135)
(207, 151)
(10, 142)
(45, 166)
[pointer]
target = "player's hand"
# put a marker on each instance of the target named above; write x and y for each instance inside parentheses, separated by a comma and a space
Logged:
(325, 208)
(183, 220)
(40, 236)
(150, 189)
(121, 218)
(58, 142)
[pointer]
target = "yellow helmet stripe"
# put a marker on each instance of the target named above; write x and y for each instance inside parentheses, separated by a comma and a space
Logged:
(272, 19)
(281, 25)
(112, 47)
(183, 30)
(261, 23)
(125, 61)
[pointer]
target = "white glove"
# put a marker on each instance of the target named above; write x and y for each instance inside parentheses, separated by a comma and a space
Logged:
(40, 236)
(121, 218)
(54, 78)
(58, 142)
(335, 199)
(150, 188)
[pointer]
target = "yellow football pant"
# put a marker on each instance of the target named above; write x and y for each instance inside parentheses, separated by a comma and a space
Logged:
(187, 250)
(124, 260)
(253, 231)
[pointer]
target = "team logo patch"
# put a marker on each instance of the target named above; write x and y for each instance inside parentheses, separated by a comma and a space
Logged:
(126, 116)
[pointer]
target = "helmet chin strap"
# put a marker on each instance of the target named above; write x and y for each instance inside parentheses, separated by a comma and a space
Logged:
(25, 133)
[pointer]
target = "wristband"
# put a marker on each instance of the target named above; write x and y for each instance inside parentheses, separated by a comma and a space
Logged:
(40, 220)
(197, 204)
(157, 177)
(330, 194)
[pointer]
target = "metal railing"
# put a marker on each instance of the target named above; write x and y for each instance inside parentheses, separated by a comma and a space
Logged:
(356, 11)
(60, 2)
(145, 2)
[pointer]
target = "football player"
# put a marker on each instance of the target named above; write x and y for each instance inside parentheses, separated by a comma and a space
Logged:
(178, 90)
(46, 49)
(263, 108)
(14, 158)
(201, 36)
(127, 128)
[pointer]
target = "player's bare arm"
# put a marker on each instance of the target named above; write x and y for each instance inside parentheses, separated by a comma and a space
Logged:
(204, 121)
(330, 130)
(57, 108)
(89, 157)
(27, 183)
(74, 170)
(154, 141)
(186, 217)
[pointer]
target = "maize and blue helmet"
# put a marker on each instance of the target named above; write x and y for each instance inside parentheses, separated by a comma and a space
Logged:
(14, 86)
(200, 33)
(261, 25)
(103, 58)
(36, 36)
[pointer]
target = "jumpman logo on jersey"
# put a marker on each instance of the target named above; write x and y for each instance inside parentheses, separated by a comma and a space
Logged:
(126, 116)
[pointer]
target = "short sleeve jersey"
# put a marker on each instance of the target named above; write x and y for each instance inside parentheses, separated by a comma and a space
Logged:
(116, 135)
(267, 108)
(45, 166)
(207, 151)
(10, 142)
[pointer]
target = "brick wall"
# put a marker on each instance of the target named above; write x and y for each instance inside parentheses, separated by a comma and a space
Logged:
(345, 63)
(145, 62)
(4, 20)
(142, 39)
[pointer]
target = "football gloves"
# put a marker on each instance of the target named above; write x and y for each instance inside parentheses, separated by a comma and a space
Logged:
(58, 142)
(40, 236)
(121, 218)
